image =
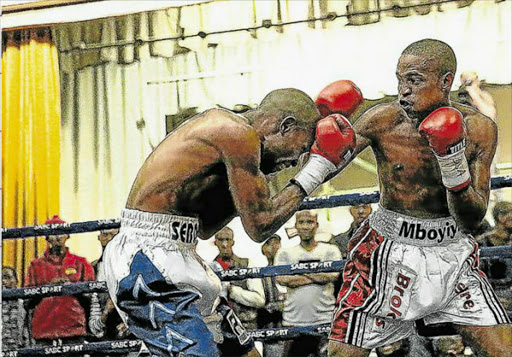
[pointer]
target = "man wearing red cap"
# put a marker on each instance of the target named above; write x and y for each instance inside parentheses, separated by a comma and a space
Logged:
(58, 317)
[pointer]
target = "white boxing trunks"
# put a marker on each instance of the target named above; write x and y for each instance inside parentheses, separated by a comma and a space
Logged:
(401, 269)
(161, 287)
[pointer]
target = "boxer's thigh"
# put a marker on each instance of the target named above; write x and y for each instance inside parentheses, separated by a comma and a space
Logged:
(471, 299)
(339, 349)
(495, 341)
(161, 313)
(186, 270)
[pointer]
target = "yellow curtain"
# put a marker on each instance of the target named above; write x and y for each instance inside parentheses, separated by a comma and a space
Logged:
(30, 139)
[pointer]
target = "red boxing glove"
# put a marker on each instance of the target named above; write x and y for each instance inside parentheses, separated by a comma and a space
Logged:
(335, 139)
(444, 129)
(334, 145)
(342, 97)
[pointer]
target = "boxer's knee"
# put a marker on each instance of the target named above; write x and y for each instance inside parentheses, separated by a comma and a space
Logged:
(488, 340)
(339, 349)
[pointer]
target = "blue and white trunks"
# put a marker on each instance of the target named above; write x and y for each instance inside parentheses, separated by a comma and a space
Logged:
(161, 287)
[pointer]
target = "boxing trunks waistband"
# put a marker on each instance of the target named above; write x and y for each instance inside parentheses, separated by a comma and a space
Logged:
(178, 229)
(415, 231)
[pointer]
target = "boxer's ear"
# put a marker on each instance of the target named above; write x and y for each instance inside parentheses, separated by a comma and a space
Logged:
(286, 124)
(447, 81)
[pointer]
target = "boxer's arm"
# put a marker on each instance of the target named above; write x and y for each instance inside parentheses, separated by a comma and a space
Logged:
(367, 125)
(468, 207)
(363, 128)
(261, 214)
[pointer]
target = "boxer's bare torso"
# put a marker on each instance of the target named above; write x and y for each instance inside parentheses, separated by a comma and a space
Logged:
(209, 168)
(409, 175)
(185, 174)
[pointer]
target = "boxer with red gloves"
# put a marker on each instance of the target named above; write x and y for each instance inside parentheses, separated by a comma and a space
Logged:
(209, 170)
(414, 258)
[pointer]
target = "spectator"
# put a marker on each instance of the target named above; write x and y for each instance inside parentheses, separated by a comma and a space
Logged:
(104, 320)
(310, 298)
(59, 317)
(359, 214)
(15, 333)
(271, 315)
(104, 237)
(499, 271)
(471, 94)
(244, 296)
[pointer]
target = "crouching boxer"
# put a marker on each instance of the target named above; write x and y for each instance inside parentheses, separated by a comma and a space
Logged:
(413, 258)
(206, 172)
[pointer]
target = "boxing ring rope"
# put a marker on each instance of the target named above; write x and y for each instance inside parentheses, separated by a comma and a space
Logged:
(120, 346)
(226, 275)
(308, 203)
(373, 197)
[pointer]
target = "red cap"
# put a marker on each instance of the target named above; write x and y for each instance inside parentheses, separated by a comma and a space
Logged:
(54, 219)
(341, 97)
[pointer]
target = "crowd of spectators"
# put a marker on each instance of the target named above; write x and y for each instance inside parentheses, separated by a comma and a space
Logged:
(271, 302)
(15, 332)
(58, 320)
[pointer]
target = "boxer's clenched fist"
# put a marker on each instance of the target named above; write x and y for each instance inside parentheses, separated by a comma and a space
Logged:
(342, 97)
(444, 129)
(334, 144)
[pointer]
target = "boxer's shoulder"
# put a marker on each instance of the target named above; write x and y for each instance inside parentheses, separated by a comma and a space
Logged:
(377, 118)
(479, 127)
(220, 124)
(230, 133)
(223, 122)
(472, 116)
(482, 132)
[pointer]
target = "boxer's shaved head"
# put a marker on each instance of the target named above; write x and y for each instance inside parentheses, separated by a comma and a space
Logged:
(438, 53)
(285, 121)
(290, 102)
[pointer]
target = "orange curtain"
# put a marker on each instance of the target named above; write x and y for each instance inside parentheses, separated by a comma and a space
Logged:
(30, 139)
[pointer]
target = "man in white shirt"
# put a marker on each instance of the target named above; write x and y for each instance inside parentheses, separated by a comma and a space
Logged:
(310, 299)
